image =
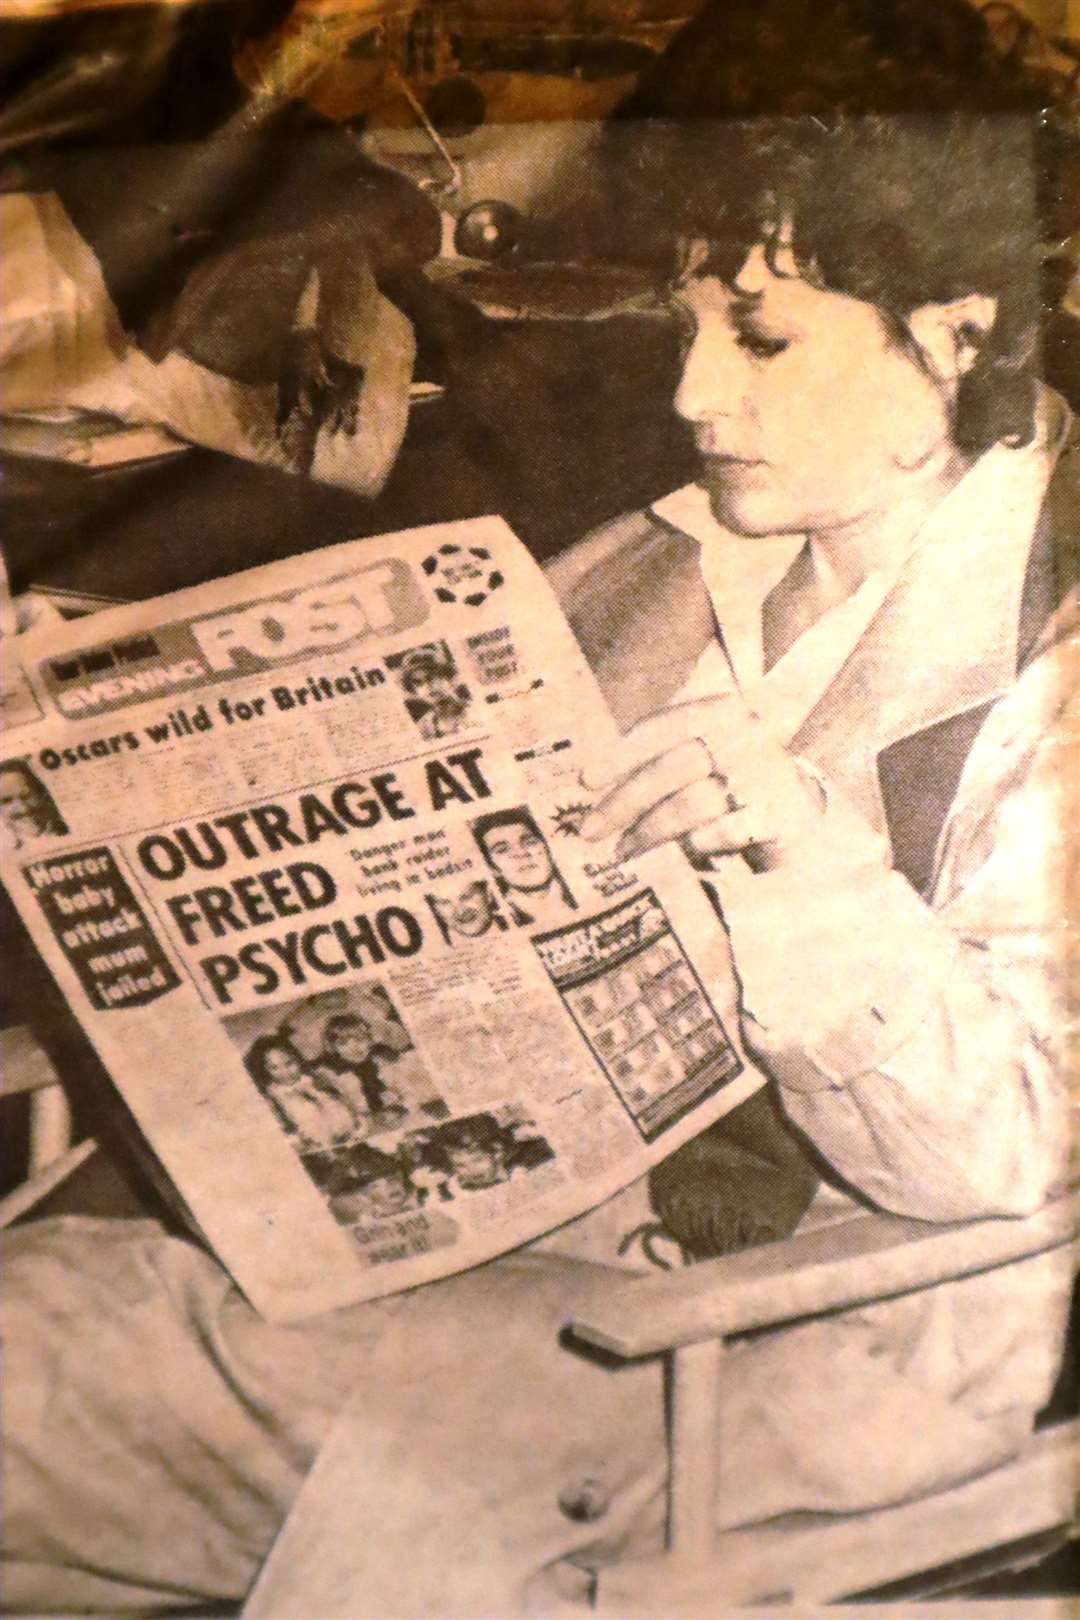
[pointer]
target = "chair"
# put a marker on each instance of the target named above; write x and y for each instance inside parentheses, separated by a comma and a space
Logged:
(805, 1559)
(25, 1069)
(689, 1316)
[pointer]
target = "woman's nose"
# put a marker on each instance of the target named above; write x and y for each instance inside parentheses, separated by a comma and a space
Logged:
(712, 382)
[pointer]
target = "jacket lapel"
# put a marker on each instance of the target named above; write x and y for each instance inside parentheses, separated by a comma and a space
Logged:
(636, 601)
(918, 777)
(919, 774)
(895, 725)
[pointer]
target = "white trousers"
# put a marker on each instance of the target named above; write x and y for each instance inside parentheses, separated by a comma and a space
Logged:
(157, 1430)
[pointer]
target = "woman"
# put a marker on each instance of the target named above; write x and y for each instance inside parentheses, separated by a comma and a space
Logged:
(27, 808)
(312, 1111)
(858, 758)
(437, 699)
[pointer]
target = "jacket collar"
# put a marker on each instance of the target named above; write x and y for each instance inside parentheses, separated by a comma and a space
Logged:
(938, 639)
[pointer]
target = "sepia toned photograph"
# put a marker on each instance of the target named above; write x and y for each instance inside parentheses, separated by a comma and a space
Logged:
(28, 811)
(525, 875)
(335, 1068)
(437, 699)
(476, 1152)
(409, 1213)
(470, 912)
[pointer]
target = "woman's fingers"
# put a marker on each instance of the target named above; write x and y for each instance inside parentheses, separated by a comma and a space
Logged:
(738, 832)
(700, 814)
(659, 733)
(684, 787)
(646, 786)
(698, 805)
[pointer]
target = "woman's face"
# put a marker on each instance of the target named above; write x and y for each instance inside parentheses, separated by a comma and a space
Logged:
(283, 1067)
(808, 416)
(22, 805)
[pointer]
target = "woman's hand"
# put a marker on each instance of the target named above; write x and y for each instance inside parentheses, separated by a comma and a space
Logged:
(711, 776)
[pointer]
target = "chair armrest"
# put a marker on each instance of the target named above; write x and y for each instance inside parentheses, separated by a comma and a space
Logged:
(24, 1064)
(39, 1186)
(855, 1262)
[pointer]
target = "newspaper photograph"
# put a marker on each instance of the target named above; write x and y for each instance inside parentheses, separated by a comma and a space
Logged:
(304, 850)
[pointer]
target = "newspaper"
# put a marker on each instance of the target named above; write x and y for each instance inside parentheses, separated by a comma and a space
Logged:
(302, 849)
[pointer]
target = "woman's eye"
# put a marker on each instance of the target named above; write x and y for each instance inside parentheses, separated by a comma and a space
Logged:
(760, 346)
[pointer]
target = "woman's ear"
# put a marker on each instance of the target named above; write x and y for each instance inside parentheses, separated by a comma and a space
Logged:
(950, 335)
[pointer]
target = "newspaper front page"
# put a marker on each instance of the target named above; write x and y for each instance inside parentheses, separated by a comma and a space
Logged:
(302, 849)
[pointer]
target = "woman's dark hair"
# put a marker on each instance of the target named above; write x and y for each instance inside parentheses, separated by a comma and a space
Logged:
(23, 768)
(52, 821)
(906, 155)
(257, 1053)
